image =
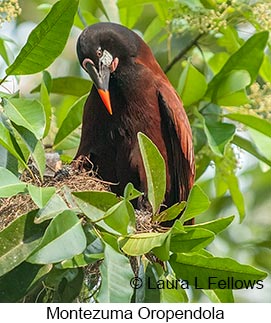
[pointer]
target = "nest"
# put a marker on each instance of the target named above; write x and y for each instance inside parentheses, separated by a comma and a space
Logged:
(75, 181)
(13, 207)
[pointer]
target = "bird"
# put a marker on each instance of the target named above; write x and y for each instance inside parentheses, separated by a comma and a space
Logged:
(131, 94)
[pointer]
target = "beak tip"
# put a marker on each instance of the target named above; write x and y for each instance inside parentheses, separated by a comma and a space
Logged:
(105, 96)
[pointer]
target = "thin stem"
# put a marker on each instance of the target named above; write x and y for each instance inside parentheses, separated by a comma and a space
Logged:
(182, 52)
(81, 17)
(3, 80)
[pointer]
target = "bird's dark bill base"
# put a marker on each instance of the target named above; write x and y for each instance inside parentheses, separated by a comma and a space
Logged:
(101, 80)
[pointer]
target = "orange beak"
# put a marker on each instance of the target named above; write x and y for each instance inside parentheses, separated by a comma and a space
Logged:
(105, 96)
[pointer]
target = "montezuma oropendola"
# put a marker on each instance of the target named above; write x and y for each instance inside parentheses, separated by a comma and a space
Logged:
(131, 93)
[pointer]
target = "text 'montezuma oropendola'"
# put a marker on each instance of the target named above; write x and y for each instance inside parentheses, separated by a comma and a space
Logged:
(131, 94)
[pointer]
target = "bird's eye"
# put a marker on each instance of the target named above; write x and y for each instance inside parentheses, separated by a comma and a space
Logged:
(99, 52)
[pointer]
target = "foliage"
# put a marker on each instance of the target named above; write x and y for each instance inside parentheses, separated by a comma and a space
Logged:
(222, 75)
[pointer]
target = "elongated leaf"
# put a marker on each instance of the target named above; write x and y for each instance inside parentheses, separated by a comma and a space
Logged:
(46, 41)
(52, 208)
(69, 85)
(15, 284)
(236, 195)
(171, 213)
(94, 204)
(234, 83)
(192, 85)
(191, 241)
(8, 161)
(249, 57)
(213, 272)
(172, 295)
(63, 239)
(155, 169)
(216, 226)
(219, 135)
(41, 195)
(120, 216)
(18, 241)
(72, 121)
(262, 142)
(9, 184)
(93, 252)
(34, 147)
(116, 274)
(3, 51)
(141, 243)
(130, 193)
(26, 113)
(262, 125)
(219, 295)
(9, 143)
(45, 101)
(197, 203)
(250, 148)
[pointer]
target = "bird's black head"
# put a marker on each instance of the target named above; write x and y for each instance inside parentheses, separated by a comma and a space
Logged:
(102, 49)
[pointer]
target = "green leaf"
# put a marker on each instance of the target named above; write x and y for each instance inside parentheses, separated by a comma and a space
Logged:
(93, 253)
(72, 121)
(130, 193)
(68, 85)
(191, 241)
(94, 204)
(192, 85)
(172, 295)
(26, 113)
(45, 101)
(213, 272)
(216, 226)
(41, 195)
(8, 161)
(153, 29)
(46, 41)
(219, 295)
(219, 135)
(3, 51)
(262, 142)
(17, 283)
(217, 61)
(141, 243)
(249, 57)
(231, 91)
(236, 195)
(125, 3)
(9, 143)
(34, 146)
(265, 70)
(18, 241)
(116, 274)
(70, 287)
(250, 148)
(52, 208)
(155, 169)
(63, 239)
(129, 15)
(169, 214)
(9, 184)
(120, 216)
(162, 252)
(262, 125)
(198, 202)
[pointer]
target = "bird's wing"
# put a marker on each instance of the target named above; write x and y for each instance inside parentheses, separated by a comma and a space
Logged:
(178, 138)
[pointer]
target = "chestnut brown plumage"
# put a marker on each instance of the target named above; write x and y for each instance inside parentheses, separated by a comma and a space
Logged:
(131, 94)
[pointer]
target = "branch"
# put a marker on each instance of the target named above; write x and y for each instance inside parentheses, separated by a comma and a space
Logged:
(182, 52)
